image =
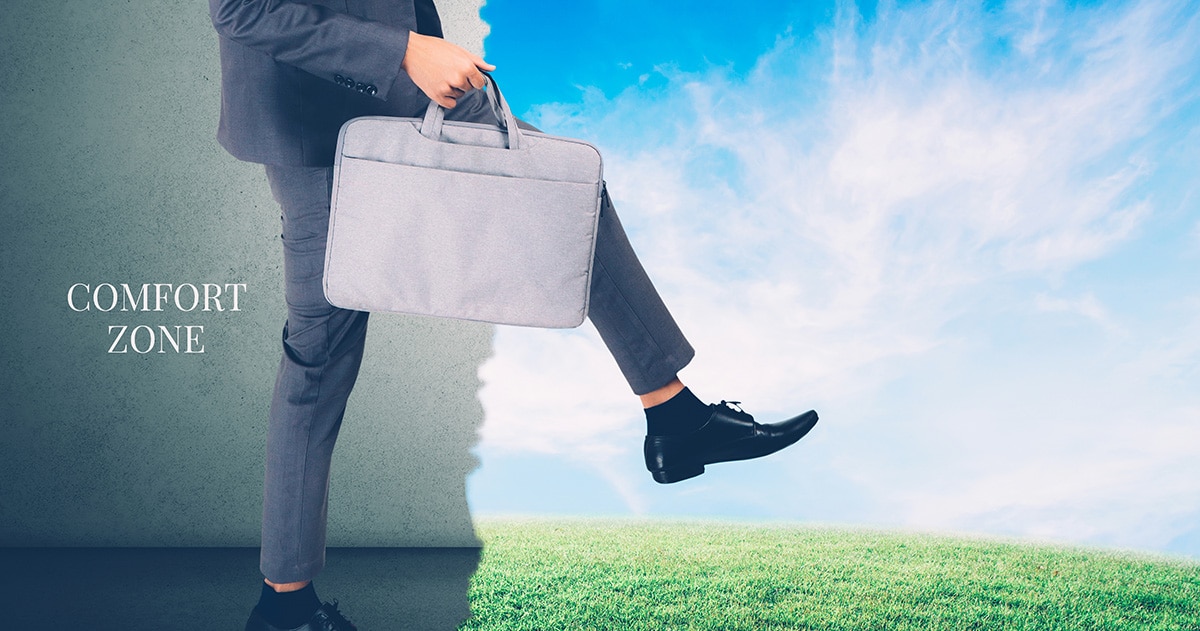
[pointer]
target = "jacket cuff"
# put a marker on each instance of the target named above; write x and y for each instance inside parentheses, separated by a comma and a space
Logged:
(379, 68)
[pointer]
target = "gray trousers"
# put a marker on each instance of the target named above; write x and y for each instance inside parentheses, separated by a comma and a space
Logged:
(323, 348)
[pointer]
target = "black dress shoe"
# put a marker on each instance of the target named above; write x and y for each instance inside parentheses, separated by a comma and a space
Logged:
(729, 434)
(327, 618)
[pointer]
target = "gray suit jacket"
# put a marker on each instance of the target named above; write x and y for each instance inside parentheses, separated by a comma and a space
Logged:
(293, 71)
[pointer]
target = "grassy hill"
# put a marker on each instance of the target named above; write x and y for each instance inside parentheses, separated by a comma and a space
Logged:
(657, 576)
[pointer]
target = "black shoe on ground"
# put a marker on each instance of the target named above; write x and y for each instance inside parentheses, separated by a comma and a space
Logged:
(327, 618)
(729, 434)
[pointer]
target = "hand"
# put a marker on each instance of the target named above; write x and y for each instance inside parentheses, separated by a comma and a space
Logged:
(442, 70)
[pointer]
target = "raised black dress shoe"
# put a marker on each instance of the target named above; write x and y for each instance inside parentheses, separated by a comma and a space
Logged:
(326, 618)
(729, 434)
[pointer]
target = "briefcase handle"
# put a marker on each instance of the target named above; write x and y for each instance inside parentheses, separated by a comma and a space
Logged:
(431, 126)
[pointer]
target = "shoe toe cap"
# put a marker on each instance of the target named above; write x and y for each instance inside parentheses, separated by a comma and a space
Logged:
(795, 427)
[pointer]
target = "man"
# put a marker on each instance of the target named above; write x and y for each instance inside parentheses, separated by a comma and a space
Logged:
(292, 72)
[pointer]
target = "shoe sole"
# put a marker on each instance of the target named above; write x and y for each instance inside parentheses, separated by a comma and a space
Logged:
(678, 474)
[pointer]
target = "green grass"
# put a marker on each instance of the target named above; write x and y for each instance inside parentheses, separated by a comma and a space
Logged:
(550, 575)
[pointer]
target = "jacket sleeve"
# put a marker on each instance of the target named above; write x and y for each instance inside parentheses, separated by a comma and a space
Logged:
(339, 47)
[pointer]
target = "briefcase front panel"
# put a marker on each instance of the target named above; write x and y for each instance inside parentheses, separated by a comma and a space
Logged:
(462, 227)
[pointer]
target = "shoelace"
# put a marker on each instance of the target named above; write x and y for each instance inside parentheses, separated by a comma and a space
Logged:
(335, 621)
(733, 405)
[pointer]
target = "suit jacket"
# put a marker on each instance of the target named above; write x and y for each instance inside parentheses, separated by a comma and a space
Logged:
(293, 71)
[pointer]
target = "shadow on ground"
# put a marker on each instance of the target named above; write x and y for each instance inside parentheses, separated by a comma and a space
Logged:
(162, 589)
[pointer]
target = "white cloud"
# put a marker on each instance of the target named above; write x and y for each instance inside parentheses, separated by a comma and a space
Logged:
(818, 225)
(1104, 471)
(1086, 306)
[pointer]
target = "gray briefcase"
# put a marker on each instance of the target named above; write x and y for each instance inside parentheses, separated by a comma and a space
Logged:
(463, 220)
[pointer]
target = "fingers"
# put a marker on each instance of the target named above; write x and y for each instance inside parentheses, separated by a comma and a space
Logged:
(480, 63)
(471, 80)
(450, 94)
(477, 79)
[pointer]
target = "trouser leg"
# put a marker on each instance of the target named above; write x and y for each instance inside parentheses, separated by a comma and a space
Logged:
(632, 319)
(322, 351)
(624, 306)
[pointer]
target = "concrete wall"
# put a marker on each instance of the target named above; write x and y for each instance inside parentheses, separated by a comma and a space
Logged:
(112, 174)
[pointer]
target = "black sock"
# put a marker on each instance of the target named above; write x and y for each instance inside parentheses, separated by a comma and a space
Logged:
(288, 610)
(680, 414)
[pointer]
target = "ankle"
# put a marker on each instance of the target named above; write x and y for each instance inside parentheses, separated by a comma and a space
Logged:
(680, 414)
(283, 588)
(661, 395)
(287, 609)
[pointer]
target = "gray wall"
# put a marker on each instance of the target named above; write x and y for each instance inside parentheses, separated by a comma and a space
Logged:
(112, 174)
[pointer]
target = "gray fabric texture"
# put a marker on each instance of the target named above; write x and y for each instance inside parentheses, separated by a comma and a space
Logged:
(476, 223)
(323, 348)
(292, 71)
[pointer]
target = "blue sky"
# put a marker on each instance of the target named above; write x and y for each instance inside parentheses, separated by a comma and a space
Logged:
(967, 234)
